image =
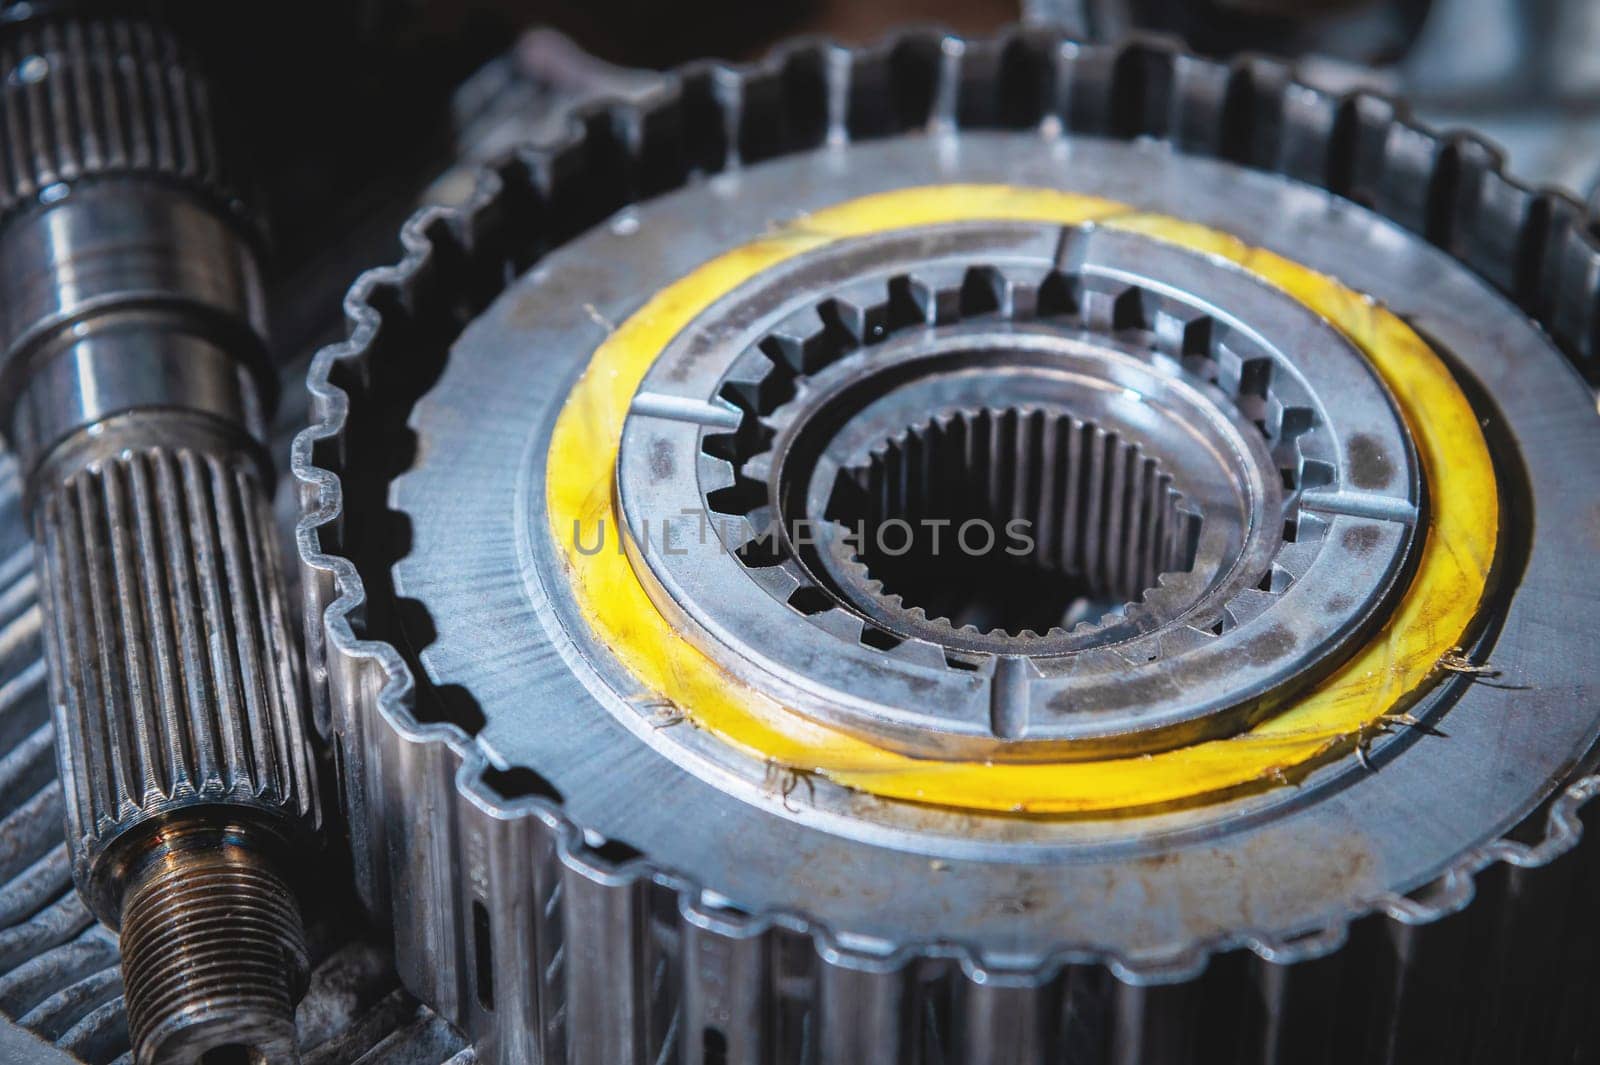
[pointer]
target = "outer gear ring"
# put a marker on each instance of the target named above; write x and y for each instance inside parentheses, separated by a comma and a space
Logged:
(855, 1002)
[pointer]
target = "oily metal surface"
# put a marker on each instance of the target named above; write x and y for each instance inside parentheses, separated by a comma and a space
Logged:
(1429, 818)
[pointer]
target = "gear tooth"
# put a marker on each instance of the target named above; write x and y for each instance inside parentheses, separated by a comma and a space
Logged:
(985, 291)
(1059, 293)
(1572, 267)
(912, 301)
(1205, 113)
(1295, 558)
(551, 173)
(609, 956)
(716, 475)
(841, 623)
(808, 340)
(1083, 88)
(724, 1018)
(936, 287)
(1276, 580)
(1358, 154)
(758, 467)
(921, 653)
(1427, 179)
(1308, 992)
(1151, 1022)
(785, 349)
(1124, 307)
(1248, 604)
(861, 1006)
(428, 769)
(1197, 348)
(914, 63)
(1542, 242)
(1251, 101)
(784, 580)
(845, 323)
(1169, 322)
(759, 378)
(1455, 192)
(1499, 240)
(1003, 1018)
(1142, 66)
(727, 88)
(1179, 639)
(944, 108)
(1430, 967)
(1022, 82)
(1023, 286)
(858, 80)
(865, 300)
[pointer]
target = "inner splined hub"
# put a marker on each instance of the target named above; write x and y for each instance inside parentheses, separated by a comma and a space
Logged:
(1020, 521)
(982, 487)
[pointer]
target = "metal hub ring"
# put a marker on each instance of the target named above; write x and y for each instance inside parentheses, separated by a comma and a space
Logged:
(1261, 422)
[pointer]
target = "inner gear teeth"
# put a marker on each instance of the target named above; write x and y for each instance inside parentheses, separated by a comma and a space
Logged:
(774, 384)
(1017, 521)
(804, 380)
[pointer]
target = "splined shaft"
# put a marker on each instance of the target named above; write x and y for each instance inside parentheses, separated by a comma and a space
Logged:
(135, 385)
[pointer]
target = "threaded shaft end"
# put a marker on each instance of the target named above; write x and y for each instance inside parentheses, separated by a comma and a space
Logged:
(213, 957)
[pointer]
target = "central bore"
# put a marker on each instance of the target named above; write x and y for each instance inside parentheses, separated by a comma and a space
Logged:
(1013, 520)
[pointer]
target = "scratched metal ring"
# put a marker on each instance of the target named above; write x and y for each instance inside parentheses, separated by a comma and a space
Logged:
(1016, 490)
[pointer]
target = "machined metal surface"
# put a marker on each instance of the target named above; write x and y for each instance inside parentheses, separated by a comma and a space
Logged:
(1174, 372)
(756, 819)
(136, 388)
(60, 978)
(612, 887)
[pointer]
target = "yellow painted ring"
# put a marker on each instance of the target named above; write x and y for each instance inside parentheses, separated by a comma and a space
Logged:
(1376, 682)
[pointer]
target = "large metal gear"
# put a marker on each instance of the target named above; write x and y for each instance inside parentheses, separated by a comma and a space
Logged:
(1274, 743)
